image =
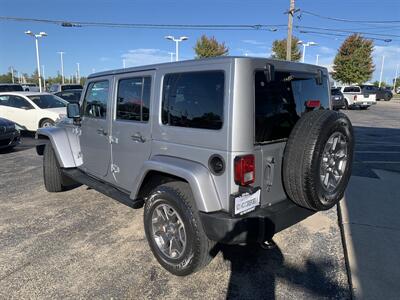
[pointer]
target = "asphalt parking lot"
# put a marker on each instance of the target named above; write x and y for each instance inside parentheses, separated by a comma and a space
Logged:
(81, 244)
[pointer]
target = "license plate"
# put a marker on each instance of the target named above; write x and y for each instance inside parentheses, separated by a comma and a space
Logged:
(247, 203)
(365, 103)
(366, 96)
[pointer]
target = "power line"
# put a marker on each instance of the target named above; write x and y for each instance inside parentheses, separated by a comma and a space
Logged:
(347, 20)
(65, 23)
(340, 35)
(347, 31)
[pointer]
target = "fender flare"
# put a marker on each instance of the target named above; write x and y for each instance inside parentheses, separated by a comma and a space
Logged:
(60, 142)
(198, 177)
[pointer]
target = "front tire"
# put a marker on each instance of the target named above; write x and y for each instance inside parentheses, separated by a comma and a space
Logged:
(174, 230)
(54, 180)
(46, 123)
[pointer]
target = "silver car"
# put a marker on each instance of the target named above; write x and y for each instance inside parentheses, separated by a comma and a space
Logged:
(229, 150)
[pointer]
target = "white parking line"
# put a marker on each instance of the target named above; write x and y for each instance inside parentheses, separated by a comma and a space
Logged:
(378, 162)
(377, 151)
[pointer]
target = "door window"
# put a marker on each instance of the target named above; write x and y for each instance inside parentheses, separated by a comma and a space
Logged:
(96, 98)
(133, 99)
(18, 102)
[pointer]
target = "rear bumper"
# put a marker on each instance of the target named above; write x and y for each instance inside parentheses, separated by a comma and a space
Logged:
(257, 226)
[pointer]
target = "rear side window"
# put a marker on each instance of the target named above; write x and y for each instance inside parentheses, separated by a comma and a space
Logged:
(133, 100)
(351, 89)
(96, 98)
(71, 87)
(280, 103)
(194, 99)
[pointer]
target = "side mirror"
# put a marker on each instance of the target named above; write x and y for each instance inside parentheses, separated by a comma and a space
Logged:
(269, 72)
(73, 111)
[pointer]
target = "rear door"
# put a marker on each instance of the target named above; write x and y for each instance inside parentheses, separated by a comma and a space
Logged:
(94, 140)
(278, 106)
(131, 127)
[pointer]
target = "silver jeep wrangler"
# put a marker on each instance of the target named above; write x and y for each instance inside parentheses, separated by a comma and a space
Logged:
(229, 150)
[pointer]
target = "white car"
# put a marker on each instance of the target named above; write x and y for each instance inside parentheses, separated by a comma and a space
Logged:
(30, 87)
(32, 110)
(356, 97)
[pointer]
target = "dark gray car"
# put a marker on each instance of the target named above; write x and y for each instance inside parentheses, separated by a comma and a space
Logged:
(9, 134)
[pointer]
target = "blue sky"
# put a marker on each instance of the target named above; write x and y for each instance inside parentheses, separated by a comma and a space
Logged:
(104, 48)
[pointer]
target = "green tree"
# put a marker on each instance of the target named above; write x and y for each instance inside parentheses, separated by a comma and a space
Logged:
(279, 49)
(209, 47)
(6, 78)
(353, 62)
(376, 83)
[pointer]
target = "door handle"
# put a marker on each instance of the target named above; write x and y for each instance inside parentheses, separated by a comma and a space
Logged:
(137, 137)
(101, 131)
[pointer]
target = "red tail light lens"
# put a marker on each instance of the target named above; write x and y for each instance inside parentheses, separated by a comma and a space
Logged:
(355, 97)
(313, 103)
(245, 170)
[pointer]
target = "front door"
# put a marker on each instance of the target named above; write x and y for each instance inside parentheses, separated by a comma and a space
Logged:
(131, 127)
(94, 140)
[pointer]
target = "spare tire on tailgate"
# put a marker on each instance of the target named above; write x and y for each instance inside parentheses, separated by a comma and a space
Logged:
(318, 159)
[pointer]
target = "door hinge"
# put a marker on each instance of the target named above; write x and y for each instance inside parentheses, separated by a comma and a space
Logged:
(113, 139)
(269, 172)
(114, 168)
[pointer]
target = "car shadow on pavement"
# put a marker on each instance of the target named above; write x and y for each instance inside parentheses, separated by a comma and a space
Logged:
(28, 141)
(256, 273)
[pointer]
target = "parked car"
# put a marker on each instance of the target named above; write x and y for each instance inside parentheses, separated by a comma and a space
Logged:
(10, 87)
(354, 97)
(228, 149)
(72, 96)
(30, 87)
(337, 99)
(9, 134)
(379, 92)
(55, 88)
(32, 110)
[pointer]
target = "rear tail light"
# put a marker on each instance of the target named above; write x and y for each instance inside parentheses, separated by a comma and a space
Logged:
(245, 170)
(355, 97)
(313, 103)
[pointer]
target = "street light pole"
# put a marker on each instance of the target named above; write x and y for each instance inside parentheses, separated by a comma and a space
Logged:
(44, 78)
(171, 54)
(317, 60)
(380, 77)
(395, 79)
(78, 75)
(62, 66)
(304, 48)
(180, 39)
(37, 36)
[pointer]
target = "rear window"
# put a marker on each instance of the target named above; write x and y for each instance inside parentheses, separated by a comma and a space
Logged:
(71, 87)
(352, 89)
(280, 103)
(194, 99)
(335, 92)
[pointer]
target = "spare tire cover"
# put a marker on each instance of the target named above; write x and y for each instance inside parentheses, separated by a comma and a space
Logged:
(318, 159)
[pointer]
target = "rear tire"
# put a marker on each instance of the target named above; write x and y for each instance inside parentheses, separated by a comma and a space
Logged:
(54, 180)
(318, 159)
(188, 254)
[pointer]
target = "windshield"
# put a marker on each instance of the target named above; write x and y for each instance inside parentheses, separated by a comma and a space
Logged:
(48, 101)
(11, 88)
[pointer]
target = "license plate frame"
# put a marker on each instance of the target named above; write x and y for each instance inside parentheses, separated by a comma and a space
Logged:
(245, 202)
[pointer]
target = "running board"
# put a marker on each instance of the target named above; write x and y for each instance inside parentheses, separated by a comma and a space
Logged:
(102, 187)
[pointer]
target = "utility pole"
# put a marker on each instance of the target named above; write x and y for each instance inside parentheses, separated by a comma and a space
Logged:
(62, 66)
(380, 77)
(289, 33)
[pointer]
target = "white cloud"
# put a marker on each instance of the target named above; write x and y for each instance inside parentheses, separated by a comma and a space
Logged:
(104, 58)
(140, 57)
(326, 50)
(247, 52)
(254, 42)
